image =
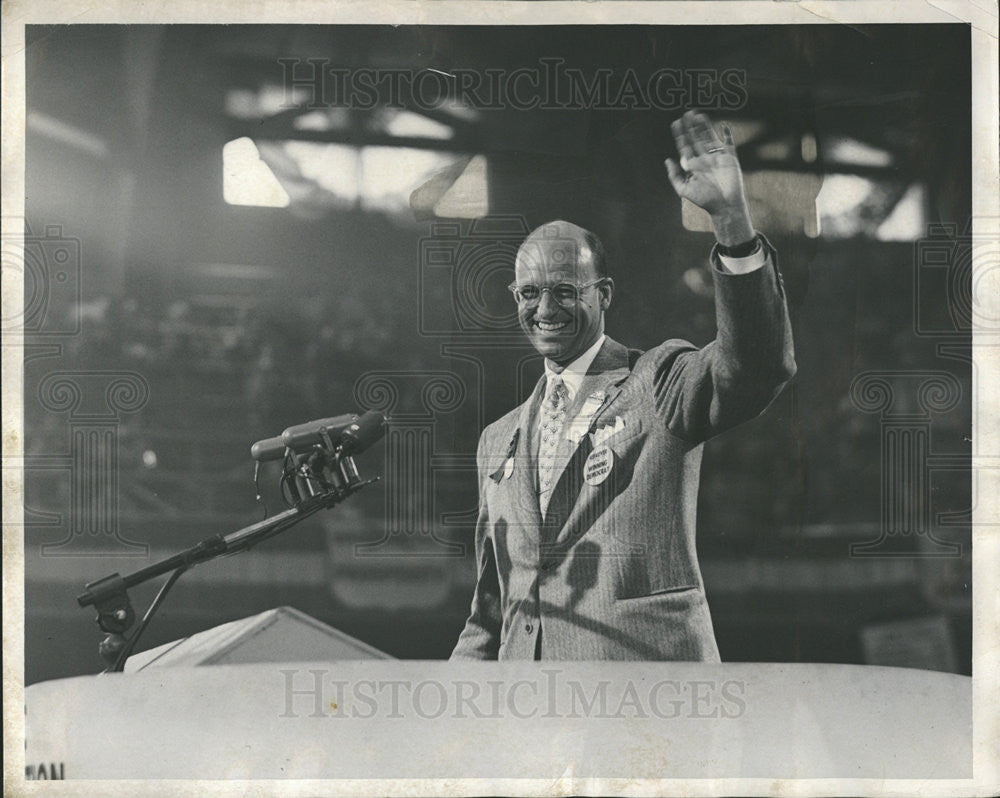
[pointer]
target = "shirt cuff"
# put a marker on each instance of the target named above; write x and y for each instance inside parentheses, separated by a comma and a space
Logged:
(750, 263)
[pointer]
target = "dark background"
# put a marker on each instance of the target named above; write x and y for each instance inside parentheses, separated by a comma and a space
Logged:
(242, 320)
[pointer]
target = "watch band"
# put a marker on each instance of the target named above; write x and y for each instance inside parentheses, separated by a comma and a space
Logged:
(743, 250)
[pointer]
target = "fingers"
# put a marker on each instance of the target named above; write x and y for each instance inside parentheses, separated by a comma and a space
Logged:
(676, 175)
(692, 133)
(702, 133)
(695, 136)
(681, 137)
(727, 133)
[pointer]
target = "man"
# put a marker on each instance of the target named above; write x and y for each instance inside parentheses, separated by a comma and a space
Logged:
(585, 542)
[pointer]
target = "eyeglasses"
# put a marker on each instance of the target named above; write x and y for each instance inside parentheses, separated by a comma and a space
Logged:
(564, 293)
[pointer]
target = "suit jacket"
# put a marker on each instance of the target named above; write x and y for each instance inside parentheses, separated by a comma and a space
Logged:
(610, 571)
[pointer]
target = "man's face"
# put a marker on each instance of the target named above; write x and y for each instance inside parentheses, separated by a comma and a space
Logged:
(560, 332)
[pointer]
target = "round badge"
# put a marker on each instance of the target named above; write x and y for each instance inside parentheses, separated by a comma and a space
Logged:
(508, 468)
(598, 465)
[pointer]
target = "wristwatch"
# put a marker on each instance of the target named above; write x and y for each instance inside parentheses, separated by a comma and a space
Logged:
(744, 250)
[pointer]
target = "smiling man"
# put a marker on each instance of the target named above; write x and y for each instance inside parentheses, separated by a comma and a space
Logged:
(554, 260)
(585, 541)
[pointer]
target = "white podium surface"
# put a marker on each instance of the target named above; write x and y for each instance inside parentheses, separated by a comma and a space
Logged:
(393, 718)
(275, 635)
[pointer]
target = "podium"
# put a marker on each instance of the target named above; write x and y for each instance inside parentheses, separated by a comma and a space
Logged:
(276, 635)
(366, 716)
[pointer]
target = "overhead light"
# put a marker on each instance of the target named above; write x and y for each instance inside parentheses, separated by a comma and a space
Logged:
(335, 118)
(856, 153)
(809, 148)
(247, 180)
(268, 100)
(407, 123)
(65, 133)
(459, 191)
(907, 220)
(335, 168)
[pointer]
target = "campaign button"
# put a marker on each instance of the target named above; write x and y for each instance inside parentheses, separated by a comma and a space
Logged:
(598, 466)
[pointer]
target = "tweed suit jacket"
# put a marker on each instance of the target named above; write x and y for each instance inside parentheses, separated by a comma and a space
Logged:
(610, 571)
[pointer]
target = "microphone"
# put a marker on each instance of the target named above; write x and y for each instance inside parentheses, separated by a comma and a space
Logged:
(268, 449)
(363, 433)
(354, 434)
(302, 436)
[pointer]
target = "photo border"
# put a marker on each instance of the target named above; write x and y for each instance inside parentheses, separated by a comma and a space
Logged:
(986, 430)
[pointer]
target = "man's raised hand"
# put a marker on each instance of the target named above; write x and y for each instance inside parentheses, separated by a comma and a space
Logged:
(709, 176)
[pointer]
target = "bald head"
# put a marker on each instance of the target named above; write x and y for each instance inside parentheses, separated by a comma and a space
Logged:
(560, 241)
(560, 324)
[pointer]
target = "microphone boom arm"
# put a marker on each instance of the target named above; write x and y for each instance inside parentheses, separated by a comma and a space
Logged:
(323, 479)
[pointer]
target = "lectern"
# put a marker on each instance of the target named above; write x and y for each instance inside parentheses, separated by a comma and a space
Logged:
(390, 718)
(276, 635)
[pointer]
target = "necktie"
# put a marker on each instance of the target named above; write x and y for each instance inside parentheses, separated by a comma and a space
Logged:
(553, 418)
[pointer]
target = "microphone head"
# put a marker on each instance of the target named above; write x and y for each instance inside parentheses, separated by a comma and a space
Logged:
(268, 449)
(358, 436)
(303, 436)
(353, 433)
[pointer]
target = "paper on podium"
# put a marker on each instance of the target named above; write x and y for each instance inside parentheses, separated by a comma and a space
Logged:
(277, 635)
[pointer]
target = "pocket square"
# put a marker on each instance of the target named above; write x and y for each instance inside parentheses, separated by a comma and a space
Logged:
(601, 434)
(577, 428)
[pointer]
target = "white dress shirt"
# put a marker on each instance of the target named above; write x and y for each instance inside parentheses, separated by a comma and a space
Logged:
(750, 263)
(573, 374)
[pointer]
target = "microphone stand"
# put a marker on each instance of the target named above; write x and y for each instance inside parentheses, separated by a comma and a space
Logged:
(318, 480)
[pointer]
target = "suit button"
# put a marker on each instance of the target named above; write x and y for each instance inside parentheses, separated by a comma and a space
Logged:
(528, 628)
(547, 566)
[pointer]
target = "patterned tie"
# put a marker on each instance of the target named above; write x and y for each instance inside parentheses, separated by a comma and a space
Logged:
(553, 418)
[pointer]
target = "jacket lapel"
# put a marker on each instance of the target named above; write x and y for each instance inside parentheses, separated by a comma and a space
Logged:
(603, 379)
(524, 460)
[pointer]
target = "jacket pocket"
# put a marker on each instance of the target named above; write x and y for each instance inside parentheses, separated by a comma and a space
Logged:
(663, 591)
(618, 440)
